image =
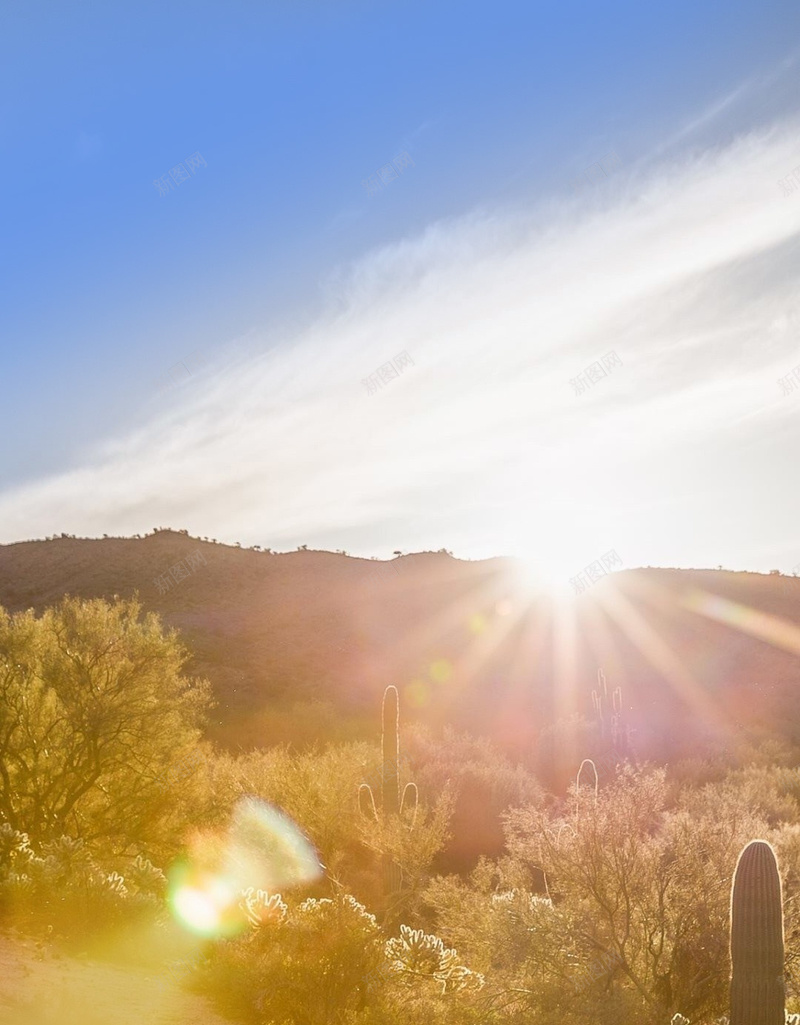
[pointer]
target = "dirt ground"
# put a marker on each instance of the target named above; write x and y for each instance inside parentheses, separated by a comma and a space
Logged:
(40, 987)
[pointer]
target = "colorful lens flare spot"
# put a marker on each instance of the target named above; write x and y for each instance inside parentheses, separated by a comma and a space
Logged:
(264, 849)
(417, 694)
(269, 847)
(441, 670)
(477, 623)
(205, 903)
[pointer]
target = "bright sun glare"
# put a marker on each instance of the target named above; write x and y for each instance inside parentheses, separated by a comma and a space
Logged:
(202, 909)
(545, 576)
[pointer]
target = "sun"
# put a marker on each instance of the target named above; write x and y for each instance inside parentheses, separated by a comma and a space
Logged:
(544, 574)
(546, 543)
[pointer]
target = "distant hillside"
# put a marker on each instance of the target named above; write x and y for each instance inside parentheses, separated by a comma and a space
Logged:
(299, 646)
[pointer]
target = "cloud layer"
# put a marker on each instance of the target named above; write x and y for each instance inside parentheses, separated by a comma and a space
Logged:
(683, 455)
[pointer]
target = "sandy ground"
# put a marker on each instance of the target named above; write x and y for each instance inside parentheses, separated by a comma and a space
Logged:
(41, 987)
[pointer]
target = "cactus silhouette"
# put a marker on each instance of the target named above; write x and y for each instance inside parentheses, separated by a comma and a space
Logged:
(616, 731)
(587, 761)
(594, 786)
(392, 804)
(599, 698)
(757, 986)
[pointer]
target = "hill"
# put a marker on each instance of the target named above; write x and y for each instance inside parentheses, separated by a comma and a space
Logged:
(299, 646)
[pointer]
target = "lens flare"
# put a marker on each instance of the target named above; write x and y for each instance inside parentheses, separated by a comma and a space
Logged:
(264, 849)
(772, 629)
(477, 623)
(200, 910)
(205, 902)
(268, 850)
(417, 693)
(441, 670)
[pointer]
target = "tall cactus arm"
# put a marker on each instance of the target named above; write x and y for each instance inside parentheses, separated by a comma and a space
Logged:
(410, 802)
(391, 751)
(587, 761)
(366, 801)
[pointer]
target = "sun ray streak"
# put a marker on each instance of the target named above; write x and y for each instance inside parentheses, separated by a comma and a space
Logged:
(770, 629)
(662, 657)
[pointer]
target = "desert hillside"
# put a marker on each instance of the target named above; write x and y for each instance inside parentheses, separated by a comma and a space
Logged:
(299, 646)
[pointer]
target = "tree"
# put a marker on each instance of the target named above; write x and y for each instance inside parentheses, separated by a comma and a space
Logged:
(646, 888)
(94, 714)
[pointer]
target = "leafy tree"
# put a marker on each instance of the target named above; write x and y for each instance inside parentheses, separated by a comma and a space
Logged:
(95, 716)
(644, 886)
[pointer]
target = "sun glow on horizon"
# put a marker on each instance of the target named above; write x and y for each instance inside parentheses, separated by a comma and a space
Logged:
(544, 577)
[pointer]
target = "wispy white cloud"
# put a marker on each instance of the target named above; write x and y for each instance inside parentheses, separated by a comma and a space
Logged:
(482, 445)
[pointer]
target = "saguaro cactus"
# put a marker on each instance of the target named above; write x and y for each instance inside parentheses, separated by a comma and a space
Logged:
(619, 729)
(616, 732)
(757, 987)
(392, 805)
(599, 698)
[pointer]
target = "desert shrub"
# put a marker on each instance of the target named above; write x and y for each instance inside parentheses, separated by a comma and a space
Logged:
(95, 716)
(59, 886)
(484, 784)
(319, 791)
(645, 886)
(324, 961)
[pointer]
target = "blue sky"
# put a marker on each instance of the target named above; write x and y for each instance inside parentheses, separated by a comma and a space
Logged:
(481, 260)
